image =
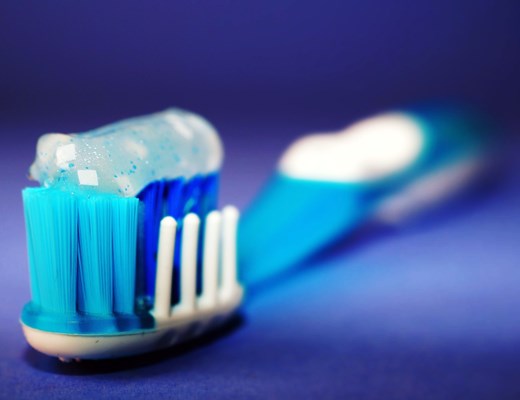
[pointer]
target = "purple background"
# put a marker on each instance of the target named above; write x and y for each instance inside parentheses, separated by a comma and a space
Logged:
(430, 312)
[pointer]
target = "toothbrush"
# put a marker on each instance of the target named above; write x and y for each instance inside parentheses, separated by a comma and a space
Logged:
(127, 253)
(390, 167)
(173, 273)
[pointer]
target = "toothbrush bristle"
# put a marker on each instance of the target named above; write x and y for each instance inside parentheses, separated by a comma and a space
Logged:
(84, 263)
(87, 296)
(82, 251)
(229, 250)
(95, 290)
(218, 258)
(163, 282)
(190, 234)
(83, 248)
(107, 244)
(125, 222)
(210, 258)
(51, 226)
(175, 198)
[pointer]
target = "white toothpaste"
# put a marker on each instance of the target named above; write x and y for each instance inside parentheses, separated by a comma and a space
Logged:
(124, 157)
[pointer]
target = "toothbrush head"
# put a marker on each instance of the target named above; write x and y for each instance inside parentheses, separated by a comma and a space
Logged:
(127, 253)
(193, 316)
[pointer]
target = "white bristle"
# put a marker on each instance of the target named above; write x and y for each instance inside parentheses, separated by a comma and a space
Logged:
(163, 280)
(211, 259)
(229, 249)
(190, 234)
(219, 269)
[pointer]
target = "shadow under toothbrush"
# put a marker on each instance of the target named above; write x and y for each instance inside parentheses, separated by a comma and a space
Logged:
(50, 364)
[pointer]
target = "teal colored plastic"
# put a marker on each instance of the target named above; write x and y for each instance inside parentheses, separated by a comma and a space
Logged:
(85, 324)
(293, 218)
(290, 218)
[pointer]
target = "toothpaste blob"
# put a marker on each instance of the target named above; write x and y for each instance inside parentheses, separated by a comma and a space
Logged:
(124, 157)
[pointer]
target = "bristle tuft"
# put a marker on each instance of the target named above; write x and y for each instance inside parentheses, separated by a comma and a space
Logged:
(124, 217)
(95, 256)
(82, 251)
(51, 222)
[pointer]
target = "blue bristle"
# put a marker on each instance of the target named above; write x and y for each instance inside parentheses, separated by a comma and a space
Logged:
(51, 224)
(152, 197)
(208, 202)
(191, 194)
(176, 198)
(124, 249)
(82, 251)
(95, 290)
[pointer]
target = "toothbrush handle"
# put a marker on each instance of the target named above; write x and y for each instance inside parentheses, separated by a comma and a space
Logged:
(291, 219)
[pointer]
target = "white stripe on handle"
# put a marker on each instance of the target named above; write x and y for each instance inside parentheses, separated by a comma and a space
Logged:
(163, 278)
(190, 235)
(229, 251)
(210, 259)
